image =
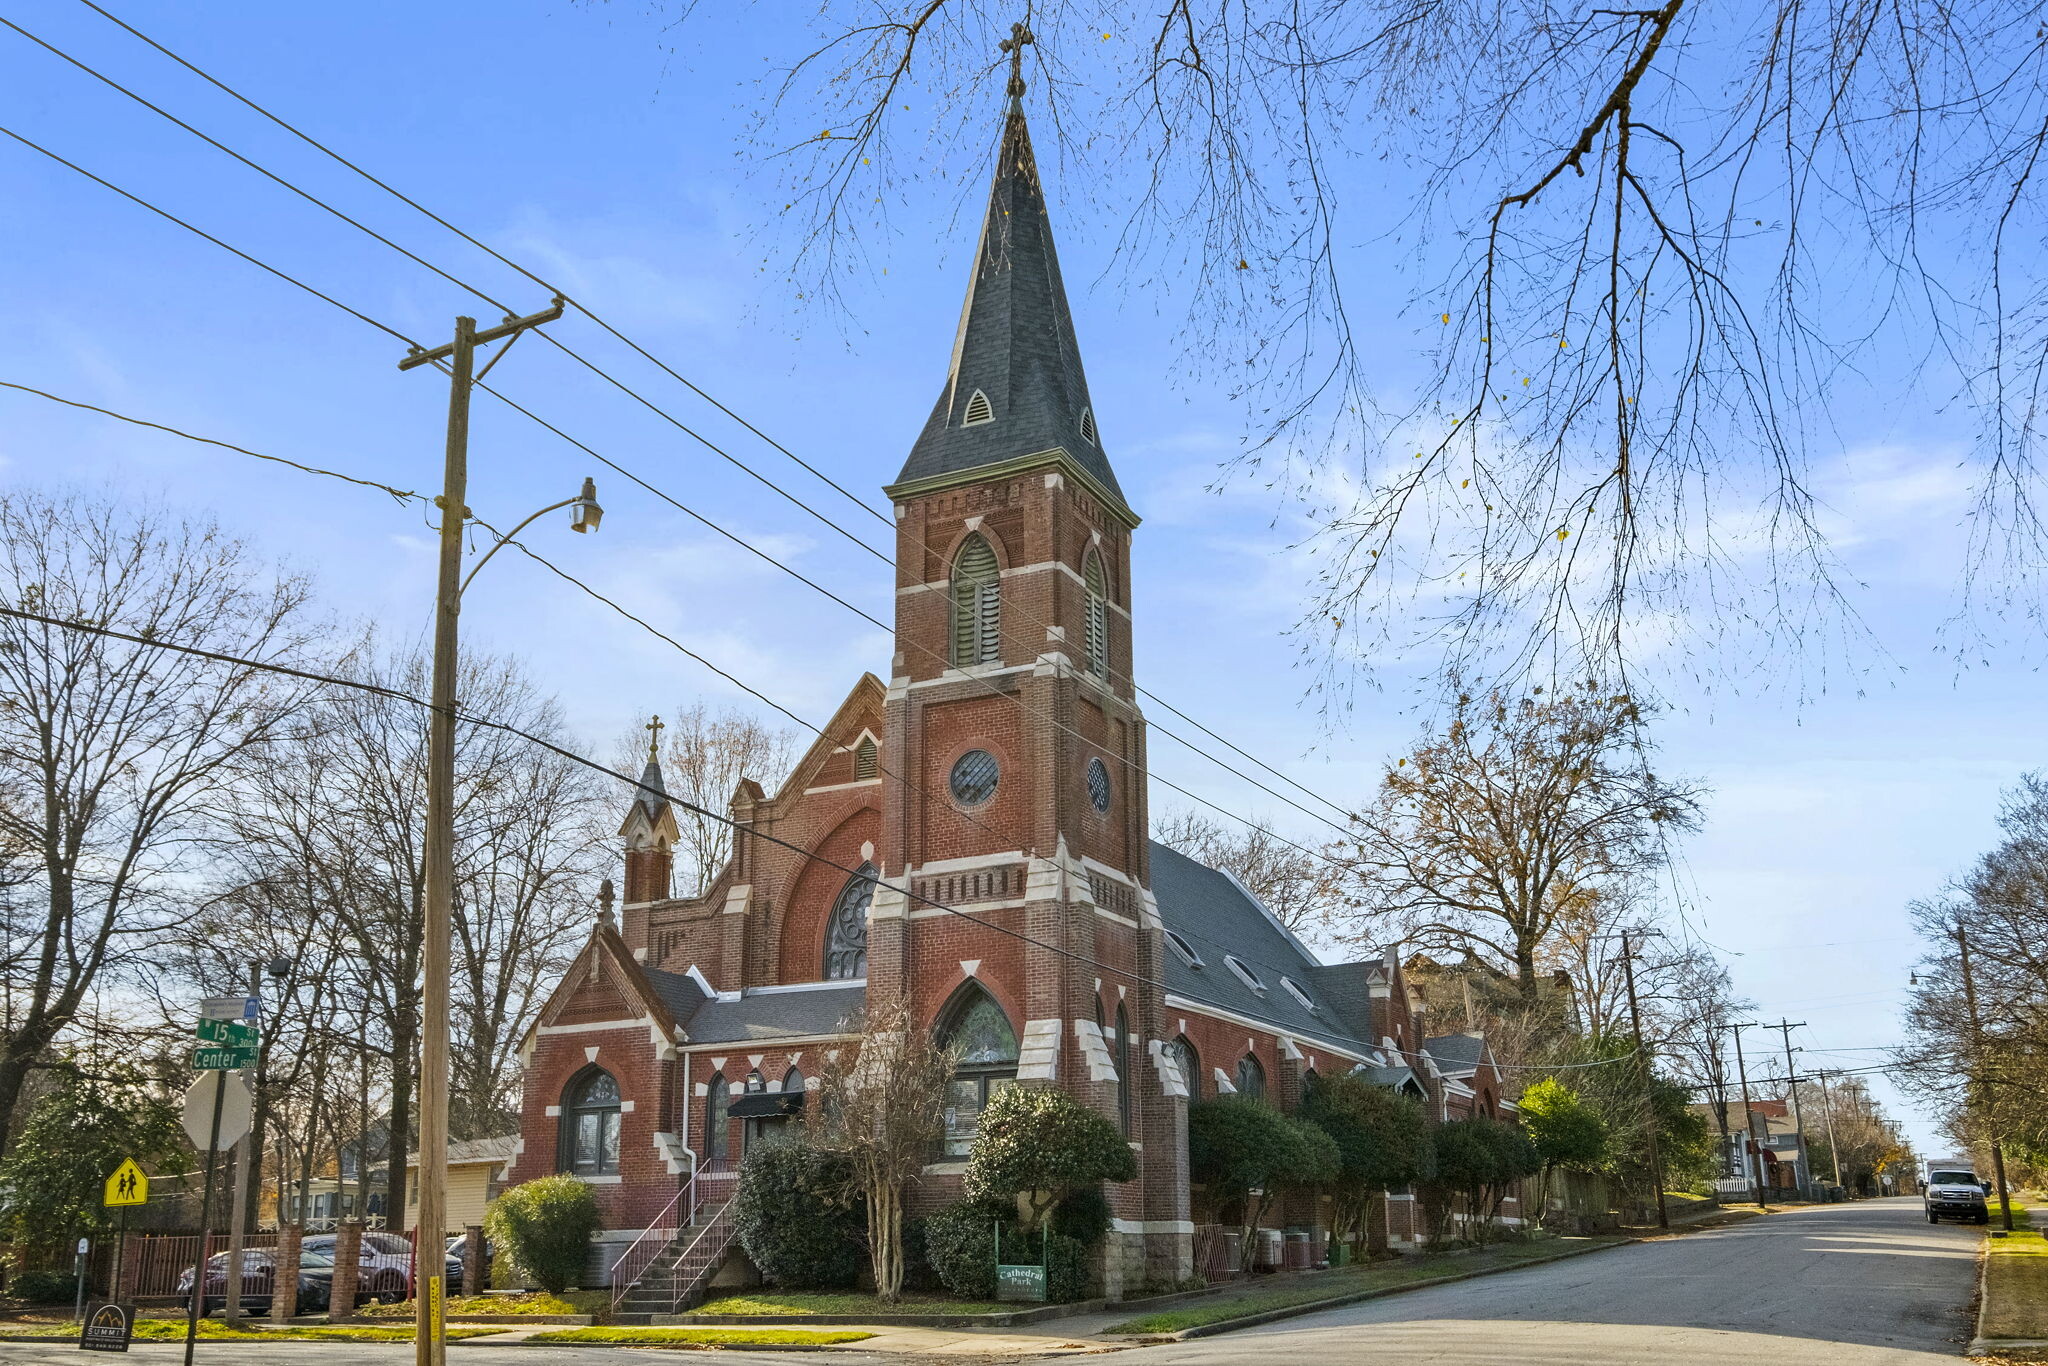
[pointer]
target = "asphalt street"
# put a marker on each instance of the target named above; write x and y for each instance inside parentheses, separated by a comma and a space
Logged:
(1867, 1284)
(1870, 1283)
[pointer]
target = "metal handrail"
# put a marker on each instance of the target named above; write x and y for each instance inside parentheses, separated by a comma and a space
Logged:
(621, 1282)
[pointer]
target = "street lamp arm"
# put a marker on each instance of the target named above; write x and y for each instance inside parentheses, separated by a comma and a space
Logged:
(500, 543)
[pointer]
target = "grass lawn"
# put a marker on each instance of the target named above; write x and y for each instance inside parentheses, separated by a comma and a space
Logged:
(1375, 1276)
(531, 1302)
(2016, 1280)
(701, 1338)
(823, 1302)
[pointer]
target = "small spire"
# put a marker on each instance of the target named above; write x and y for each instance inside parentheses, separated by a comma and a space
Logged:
(654, 729)
(1014, 45)
(605, 896)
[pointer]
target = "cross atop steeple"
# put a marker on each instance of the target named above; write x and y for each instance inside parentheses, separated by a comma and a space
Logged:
(1014, 45)
(654, 729)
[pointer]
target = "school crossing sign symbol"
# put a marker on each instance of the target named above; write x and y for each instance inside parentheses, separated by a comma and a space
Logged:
(127, 1186)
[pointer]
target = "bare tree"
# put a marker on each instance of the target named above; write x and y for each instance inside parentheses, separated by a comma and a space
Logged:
(883, 1108)
(114, 756)
(1642, 248)
(1517, 822)
(704, 755)
(1301, 889)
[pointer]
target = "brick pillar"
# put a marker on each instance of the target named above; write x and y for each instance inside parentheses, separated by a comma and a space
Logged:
(348, 1267)
(127, 1272)
(473, 1266)
(284, 1285)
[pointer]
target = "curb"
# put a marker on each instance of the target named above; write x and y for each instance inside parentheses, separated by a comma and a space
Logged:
(1356, 1297)
(1005, 1320)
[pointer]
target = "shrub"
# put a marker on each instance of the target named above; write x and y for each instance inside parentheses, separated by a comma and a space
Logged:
(1067, 1271)
(43, 1287)
(960, 1244)
(1380, 1135)
(794, 1215)
(1237, 1146)
(545, 1227)
(1083, 1216)
(1044, 1146)
(917, 1263)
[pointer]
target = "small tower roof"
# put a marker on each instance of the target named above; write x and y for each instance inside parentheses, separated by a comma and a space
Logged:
(1015, 345)
(651, 797)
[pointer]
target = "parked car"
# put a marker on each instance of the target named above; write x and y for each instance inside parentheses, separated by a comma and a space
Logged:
(1954, 1192)
(385, 1262)
(458, 1251)
(259, 1281)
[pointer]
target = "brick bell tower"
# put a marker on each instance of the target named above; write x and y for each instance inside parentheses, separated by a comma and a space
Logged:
(1013, 733)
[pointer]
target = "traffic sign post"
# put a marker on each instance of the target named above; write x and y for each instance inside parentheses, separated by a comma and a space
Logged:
(128, 1186)
(227, 1040)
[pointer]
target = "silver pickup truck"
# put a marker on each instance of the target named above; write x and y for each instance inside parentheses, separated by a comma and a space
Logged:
(1955, 1193)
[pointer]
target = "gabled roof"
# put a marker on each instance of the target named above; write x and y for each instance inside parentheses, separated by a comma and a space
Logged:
(1218, 917)
(1456, 1055)
(779, 1012)
(1015, 346)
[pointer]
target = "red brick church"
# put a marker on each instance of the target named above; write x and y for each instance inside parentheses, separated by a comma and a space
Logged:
(994, 786)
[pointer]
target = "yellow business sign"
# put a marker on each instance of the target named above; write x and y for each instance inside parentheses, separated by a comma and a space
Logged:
(127, 1186)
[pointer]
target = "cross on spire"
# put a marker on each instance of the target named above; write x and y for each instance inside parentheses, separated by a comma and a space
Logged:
(1014, 45)
(654, 729)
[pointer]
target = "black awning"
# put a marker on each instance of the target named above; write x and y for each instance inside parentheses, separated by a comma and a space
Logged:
(766, 1105)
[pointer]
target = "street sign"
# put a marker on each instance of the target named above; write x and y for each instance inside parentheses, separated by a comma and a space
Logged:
(127, 1186)
(210, 1058)
(233, 1032)
(230, 1007)
(235, 1108)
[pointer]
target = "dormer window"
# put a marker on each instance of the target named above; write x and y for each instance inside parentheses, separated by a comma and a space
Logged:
(978, 410)
(1244, 974)
(1088, 427)
(1184, 949)
(1294, 990)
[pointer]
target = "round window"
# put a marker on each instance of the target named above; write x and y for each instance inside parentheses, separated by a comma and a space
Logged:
(974, 777)
(1098, 785)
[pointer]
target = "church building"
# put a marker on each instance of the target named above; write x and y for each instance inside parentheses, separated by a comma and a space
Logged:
(970, 836)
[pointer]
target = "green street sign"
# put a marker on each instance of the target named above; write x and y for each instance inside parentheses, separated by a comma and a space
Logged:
(229, 1033)
(217, 1057)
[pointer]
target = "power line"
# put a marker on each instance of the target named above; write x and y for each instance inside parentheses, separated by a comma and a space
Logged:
(990, 686)
(643, 352)
(739, 829)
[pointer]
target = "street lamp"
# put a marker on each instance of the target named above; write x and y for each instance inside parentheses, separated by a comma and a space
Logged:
(430, 1349)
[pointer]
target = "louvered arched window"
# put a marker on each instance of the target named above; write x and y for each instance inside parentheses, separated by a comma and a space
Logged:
(1096, 626)
(865, 759)
(977, 603)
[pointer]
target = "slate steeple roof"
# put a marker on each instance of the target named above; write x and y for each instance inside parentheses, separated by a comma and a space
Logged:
(1015, 344)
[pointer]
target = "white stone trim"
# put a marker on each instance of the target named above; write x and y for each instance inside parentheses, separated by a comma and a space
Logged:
(1345, 1051)
(1038, 1051)
(830, 984)
(966, 865)
(889, 902)
(597, 1180)
(841, 787)
(979, 671)
(633, 1022)
(1119, 919)
(553, 1112)
(973, 908)
(1152, 1225)
(1094, 1050)
(1171, 1083)
(1224, 1085)
(1288, 1050)
(673, 1152)
(737, 897)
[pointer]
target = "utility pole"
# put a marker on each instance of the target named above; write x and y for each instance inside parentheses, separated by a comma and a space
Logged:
(1785, 1028)
(1976, 1076)
(1827, 1106)
(1635, 1024)
(1751, 1168)
(460, 354)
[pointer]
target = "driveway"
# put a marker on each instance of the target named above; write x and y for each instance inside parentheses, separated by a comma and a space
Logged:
(1865, 1284)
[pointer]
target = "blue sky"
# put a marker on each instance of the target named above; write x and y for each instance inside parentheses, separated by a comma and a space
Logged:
(583, 139)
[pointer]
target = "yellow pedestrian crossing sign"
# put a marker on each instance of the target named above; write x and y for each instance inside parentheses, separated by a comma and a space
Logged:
(127, 1186)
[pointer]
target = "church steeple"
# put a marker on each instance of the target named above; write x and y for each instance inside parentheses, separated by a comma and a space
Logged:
(1015, 389)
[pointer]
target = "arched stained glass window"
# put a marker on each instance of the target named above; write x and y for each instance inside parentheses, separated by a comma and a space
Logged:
(1251, 1077)
(792, 1080)
(846, 930)
(717, 1117)
(979, 1033)
(977, 603)
(1096, 621)
(590, 1124)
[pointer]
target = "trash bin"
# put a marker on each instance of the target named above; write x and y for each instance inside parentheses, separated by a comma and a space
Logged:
(1296, 1256)
(1269, 1249)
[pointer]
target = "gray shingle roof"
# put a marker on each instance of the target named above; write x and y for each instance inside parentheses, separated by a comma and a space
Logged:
(1455, 1054)
(827, 1008)
(652, 794)
(1217, 918)
(1015, 343)
(678, 991)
